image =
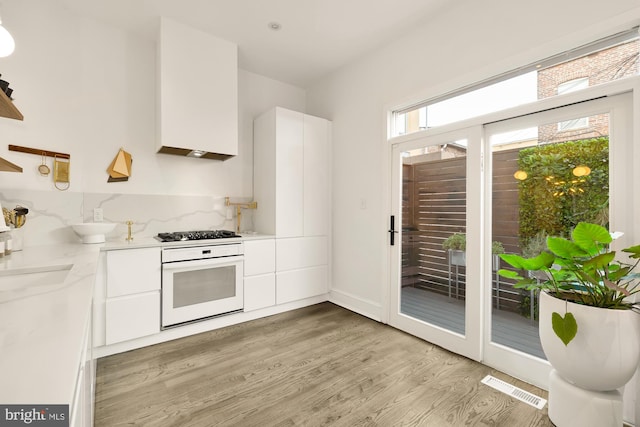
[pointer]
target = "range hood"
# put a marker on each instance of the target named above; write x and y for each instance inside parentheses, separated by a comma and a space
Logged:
(197, 93)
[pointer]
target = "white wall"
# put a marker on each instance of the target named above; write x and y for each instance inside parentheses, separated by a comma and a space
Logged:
(467, 42)
(88, 89)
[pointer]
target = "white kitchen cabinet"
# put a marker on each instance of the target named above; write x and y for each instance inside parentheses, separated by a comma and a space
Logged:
(259, 257)
(291, 173)
(133, 271)
(299, 284)
(132, 316)
(292, 154)
(301, 252)
(259, 291)
(132, 305)
(317, 179)
(259, 274)
(81, 409)
(198, 92)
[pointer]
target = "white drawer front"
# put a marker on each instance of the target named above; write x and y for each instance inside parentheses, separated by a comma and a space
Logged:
(132, 271)
(132, 317)
(259, 257)
(299, 284)
(303, 252)
(259, 291)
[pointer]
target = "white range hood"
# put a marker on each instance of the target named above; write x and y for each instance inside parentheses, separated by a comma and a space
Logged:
(197, 93)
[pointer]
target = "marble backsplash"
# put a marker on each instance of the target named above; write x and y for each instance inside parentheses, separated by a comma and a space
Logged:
(51, 214)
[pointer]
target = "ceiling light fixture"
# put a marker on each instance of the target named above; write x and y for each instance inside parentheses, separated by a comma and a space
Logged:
(7, 45)
(275, 26)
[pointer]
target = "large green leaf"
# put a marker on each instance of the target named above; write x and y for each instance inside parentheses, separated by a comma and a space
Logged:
(565, 327)
(565, 248)
(600, 261)
(513, 260)
(544, 260)
(587, 236)
(509, 274)
(634, 251)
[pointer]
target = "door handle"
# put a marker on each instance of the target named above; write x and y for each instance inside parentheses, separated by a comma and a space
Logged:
(392, 231)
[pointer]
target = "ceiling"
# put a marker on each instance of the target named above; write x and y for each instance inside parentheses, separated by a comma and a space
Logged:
(316, 36)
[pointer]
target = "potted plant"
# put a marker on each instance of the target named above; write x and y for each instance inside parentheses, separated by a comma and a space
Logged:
(456, 244)
(588, 331)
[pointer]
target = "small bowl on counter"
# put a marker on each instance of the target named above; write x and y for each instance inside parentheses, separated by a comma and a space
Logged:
(93, 232)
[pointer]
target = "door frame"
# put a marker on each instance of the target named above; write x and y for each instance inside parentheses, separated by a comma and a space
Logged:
(469, 344)
(617, 87)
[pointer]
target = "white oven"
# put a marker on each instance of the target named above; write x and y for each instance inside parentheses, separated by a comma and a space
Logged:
(201, 281)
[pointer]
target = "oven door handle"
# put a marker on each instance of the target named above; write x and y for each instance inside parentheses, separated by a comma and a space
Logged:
(198, 263)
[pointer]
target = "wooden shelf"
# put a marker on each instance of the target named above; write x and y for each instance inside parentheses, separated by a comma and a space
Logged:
(7, 166)
(7, 109)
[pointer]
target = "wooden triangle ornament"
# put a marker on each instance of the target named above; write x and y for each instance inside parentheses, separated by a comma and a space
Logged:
(120, 168)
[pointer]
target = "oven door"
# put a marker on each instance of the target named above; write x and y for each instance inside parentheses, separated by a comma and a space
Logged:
(193, 290)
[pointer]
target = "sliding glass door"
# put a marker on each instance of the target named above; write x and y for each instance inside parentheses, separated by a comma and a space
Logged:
(548, 171)
(431, 297)
(462, 197)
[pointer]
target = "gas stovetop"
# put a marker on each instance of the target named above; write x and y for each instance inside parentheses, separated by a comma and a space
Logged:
(180, 236)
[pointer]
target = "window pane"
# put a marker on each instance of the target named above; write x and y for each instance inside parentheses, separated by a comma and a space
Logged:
(608, 64)
(542, 186)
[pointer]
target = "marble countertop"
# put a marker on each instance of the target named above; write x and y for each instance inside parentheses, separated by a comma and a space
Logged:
(146, 242)
(42, 326)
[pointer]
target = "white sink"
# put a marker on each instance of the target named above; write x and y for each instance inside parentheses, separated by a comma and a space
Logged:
(30, 280)
(93, 232)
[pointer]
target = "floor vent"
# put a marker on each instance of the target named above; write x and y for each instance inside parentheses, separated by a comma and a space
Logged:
(515, 392)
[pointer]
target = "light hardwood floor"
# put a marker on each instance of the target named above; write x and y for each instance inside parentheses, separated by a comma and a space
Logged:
(317, 366)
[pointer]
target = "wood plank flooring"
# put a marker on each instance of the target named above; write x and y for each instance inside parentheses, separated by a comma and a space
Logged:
(317, 366)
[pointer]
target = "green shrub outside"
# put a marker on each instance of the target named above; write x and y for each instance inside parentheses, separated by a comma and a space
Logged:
(552, 200)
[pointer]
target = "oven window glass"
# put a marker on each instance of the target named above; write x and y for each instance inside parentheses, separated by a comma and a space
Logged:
(200, 286)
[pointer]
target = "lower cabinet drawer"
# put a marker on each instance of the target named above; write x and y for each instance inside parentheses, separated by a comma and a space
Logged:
(299, 284)
(132, 316)
(259, 291)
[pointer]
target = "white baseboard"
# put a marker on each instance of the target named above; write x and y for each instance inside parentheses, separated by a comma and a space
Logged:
(356, 304)
(203, 326)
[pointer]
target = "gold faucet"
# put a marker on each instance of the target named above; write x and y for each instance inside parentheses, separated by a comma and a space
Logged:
(239, 207)
(129, 236)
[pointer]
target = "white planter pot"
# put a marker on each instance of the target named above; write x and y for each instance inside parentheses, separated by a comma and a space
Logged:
(457, 257)
(603, 355)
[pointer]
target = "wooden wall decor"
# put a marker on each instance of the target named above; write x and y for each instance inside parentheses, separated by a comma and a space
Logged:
(120, 168)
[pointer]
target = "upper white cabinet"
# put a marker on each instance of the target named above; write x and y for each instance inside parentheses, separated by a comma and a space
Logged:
(197, 92)
(291, 173)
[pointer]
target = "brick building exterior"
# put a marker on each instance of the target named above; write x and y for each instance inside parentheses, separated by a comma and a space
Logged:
(604, 66)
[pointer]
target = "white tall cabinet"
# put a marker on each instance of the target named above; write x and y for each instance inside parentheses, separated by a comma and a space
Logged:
(292, 187)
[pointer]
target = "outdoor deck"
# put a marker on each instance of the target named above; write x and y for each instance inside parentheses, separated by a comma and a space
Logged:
(508, 328)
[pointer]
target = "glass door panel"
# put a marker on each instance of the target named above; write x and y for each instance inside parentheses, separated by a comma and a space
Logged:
(430, 270)
(546, 179)
(433, 210)
(549, 171)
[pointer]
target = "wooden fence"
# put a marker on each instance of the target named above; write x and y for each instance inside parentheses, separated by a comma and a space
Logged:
(434, 207)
